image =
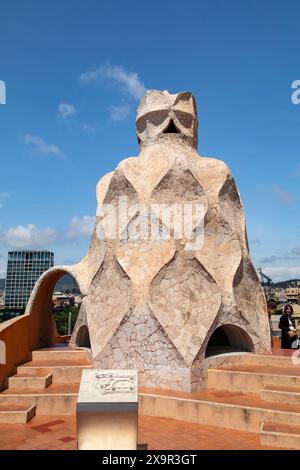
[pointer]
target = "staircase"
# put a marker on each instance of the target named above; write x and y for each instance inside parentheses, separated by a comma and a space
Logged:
(280, 435)
(274, 385)
(253, 393)
(47, 385)
(250, 392)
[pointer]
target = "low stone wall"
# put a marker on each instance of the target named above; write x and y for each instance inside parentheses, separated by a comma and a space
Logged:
(14, 341)
(227, 359)
(18, 337)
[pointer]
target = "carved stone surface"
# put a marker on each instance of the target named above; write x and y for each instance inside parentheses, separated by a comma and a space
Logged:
(153, 303)
(113, 382)
(108, 386)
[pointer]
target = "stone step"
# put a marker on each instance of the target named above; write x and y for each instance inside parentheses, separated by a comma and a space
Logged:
(244, 358)
(282, 394)
(60, 354)
(66, 371)
(273, 360)
(55, 399)
(30, 381)
(235, 410)
(252, 378)
(280, 435)
(16, 413)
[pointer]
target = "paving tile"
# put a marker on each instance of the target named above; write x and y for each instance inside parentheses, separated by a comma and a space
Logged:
(67, 439)
(158, 433)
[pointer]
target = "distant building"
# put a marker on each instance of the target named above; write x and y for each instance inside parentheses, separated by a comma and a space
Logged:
(61, 300)
(78, 300)
(292, 294)
(23, 270)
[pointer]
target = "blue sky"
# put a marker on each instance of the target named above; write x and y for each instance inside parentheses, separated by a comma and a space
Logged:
(74, 72)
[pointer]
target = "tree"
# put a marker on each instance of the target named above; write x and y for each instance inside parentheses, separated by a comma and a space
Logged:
(62, 318)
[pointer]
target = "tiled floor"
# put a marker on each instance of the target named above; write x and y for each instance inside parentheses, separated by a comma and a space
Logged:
(277, 351)
(53, 433)
(59, 432)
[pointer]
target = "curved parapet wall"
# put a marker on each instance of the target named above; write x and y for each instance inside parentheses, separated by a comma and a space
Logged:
(14, 338)
(39, 308)
(36, 328)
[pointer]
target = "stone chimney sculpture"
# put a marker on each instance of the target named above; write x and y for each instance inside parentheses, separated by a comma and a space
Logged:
(161, 303)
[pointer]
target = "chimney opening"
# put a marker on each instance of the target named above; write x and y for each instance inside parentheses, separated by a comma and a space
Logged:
(171, 129)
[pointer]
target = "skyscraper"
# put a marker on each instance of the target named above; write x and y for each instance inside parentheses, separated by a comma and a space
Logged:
(23, 270)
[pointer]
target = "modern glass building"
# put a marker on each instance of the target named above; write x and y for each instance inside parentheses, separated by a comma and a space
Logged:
(23, 270)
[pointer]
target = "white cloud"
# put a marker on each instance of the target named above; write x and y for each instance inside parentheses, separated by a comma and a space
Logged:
(296, 250)
(28, 236)
(129, 82)
(41, 147)
(3, 195)
(282, 273)
(284, 195)
(65, 110)
(81, 227)
(120, 112)
(270, 259)
(86, 127)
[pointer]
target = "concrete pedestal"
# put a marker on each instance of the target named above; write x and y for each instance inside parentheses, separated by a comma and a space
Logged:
(107, 410)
